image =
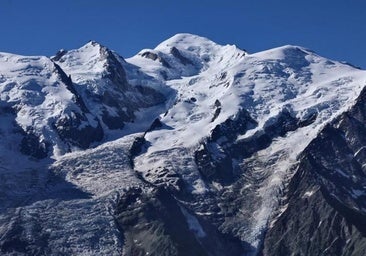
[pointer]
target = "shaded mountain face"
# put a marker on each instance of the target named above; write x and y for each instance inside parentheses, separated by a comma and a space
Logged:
(191, 148)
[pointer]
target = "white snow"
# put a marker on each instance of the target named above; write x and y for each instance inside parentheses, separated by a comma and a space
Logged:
(33, 87)
(85, 64)
(309, 193)
(359, 151)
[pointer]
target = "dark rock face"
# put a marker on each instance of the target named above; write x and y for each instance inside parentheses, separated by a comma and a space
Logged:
(278, 126)
(312, 225)
(115, 97)
(115, 71)
(214, 158)
(68, 127)
(71, 130)
(123, 98)
(150, 55)
(59, 55)
(217, 110)
(325, 206)
(154, 56)
(74, 130)
(136, 149)
(150, 95)
(126, 103)
(70, 86)
(29, 143)
(156, 224)
(32, 146)
(176, 53)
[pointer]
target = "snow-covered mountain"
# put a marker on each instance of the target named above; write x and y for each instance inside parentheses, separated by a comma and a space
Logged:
(191, 148)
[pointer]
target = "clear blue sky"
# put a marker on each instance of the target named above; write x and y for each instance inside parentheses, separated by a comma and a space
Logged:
(333, 28)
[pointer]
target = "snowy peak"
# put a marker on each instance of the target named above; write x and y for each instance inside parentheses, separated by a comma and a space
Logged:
(295, 57)
(185, 55)
(187, 42)
(92, 62)
(193, 44)
(85, 63)
(282, 51)
(93, 67)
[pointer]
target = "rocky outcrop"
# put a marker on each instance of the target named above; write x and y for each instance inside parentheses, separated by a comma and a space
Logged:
(70, 86)
(214, 157)
(32, 145)
(177, 54)
(123, 98)
(76, 130)
(115, 71)
(154, 56)
(154, 223)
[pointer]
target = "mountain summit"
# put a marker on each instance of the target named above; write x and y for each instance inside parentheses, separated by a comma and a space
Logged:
(190, 148)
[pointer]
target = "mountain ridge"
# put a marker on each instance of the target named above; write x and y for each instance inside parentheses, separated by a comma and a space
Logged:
(210, 134)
